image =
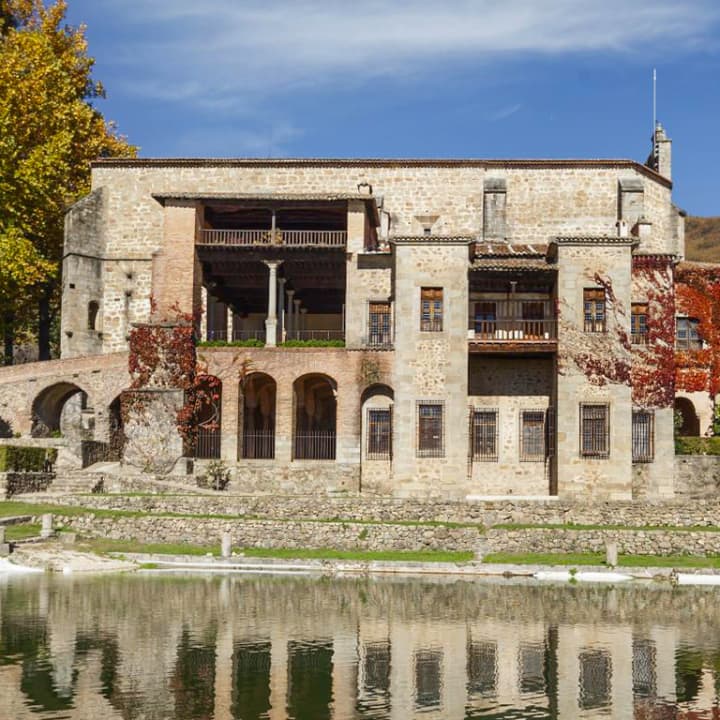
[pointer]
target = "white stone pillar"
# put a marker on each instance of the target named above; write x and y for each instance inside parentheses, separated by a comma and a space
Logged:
(271, 321)
(281, 309)
(203, 316)
(291, 316)
(230, 320)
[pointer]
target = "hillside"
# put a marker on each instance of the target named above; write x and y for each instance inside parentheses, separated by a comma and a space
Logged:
(702, 238)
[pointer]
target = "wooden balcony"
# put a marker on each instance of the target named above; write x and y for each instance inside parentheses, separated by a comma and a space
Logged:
(512, 326)
(286, 238)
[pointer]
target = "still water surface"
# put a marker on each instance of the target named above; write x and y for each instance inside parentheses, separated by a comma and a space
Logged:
(230, 648)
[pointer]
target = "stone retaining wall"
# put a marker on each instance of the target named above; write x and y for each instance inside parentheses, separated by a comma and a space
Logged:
(17, 483)
(671, 513)
(275, 534)
(697, 476)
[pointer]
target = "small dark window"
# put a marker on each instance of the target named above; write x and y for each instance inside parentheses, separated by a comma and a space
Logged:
(379, 324)
(379, 429)
(431, 441)
(638, 323)
(643, 436)
(427, 231)
(93, 308)
(687, 336)
(431, 309)
(532, 435)
(485, 435)
(594, 309)
(594, 430)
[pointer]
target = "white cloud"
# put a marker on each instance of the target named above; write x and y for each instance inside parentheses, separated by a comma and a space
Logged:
(228, 54)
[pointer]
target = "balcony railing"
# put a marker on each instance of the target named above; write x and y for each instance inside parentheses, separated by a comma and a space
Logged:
(314, 445)
(259, 445)
(207, 444)
(512, 330)
(315, 335)
(512, 321)
(294, 238)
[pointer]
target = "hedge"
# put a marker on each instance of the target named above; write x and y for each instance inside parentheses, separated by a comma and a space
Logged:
(252, 342)
(697, 446)
(25, 459)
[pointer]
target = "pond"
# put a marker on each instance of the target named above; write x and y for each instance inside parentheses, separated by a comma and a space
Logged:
(248, 647)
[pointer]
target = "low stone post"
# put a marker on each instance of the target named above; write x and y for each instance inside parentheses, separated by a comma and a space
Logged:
(2, 533)
(47, 526)
(226, 545)
(4, 547)
(611, 554)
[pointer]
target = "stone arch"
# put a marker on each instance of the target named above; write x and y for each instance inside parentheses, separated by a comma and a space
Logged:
(209, 417)
(315, 426)
(61, 408)
(690, 421)
(116, 428)
(376, 406)
(259, 401)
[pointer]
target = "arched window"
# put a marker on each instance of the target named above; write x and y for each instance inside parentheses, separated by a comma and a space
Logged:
(315, 417)
(209, 417)
(93, 308)
(259, 392)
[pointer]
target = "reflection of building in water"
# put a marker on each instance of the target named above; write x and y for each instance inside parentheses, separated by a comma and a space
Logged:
(243, 648)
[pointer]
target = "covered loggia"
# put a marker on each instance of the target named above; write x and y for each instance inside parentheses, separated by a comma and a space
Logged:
(258, 397)
(62, 410)
(315, 431)
(273, 270)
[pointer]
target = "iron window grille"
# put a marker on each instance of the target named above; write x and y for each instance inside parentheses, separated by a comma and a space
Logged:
(485, 435)
(379, 324)
(687, 336)
(594, 430)
(430, 429)
(431, 309)
(643, 436)
(594, 304)
(638, 324)
(379, 434)
(532, 435)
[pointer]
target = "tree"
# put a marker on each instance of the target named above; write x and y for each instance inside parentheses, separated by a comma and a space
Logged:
(49, 133)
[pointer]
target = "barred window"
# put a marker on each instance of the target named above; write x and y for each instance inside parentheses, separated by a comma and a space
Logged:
(638, 323)
(431, 440)
(594, 309)
(431, 309)
(379, 324)
(594, 430)
(379, 434)
(532, 435)
(485, 435)
(643, 436)
(687, 336)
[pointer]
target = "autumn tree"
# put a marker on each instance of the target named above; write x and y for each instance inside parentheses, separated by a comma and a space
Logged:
(50, 130)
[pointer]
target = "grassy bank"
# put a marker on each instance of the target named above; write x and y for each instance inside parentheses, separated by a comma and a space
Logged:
(580, 559)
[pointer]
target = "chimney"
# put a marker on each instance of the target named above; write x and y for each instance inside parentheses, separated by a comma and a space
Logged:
(661, 158)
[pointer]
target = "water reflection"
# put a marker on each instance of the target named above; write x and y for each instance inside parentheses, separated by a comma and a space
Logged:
(249, 648)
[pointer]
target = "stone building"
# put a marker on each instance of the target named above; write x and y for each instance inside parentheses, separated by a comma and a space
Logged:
(427, 328)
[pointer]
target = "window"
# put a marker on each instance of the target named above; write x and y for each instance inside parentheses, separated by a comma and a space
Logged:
(379, 324)
(485, 316)
(427, 230)
(687, 336)
(379, 435)
(93, 308)
(643, 436)
(431, 441)
(485, 435)
(638, 323)
(595, 679)
(594, 309)
(594, 430)
(532, 435)
(431, 309)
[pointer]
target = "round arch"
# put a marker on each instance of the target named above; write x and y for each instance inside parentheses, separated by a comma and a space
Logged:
(208, 417)
(315, 432)
(376, 404)
(259, 400)
(58, 409)
(690, 426)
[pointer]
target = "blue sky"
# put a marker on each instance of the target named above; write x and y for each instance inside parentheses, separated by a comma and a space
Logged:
(413, 78)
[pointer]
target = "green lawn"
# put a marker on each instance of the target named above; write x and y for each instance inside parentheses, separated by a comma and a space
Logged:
(21, 531)
(575, 527)
(103, 546)
(678, 561)
(362, 555)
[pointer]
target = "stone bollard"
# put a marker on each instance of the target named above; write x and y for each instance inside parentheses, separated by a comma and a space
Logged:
(611, 554)
(47, 526)
(2, 533)
(4, 547)
(226, 545)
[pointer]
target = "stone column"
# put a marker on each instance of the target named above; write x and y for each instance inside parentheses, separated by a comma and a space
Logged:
(229, 420)
(278, 676)
(281, 311)
(296, 318)
(223, 673)
(303, 321)
(291, 316)
(204, 316)
(230, 319)
(271, 321)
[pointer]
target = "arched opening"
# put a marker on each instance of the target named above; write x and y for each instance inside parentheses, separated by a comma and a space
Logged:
(377, 405)
(315, 417)
(690, 422)
(116, 429)
(259, 392)
(61, 410)
(93, 308)
(208, 418)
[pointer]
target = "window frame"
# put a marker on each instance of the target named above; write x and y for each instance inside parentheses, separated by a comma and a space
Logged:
(643, 448)
(529, 451)
(436, 448)
(594, 310)
(432, 309)
(383, 333)
(638, 326)
(692, 339)
(601, 449)
(378, 445)
(485, 447)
